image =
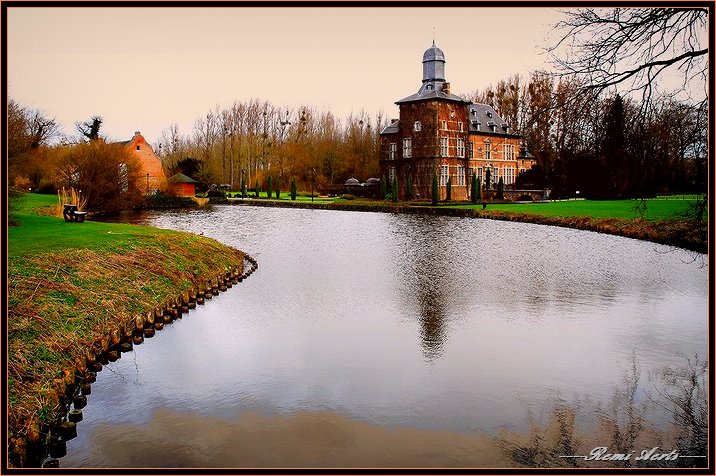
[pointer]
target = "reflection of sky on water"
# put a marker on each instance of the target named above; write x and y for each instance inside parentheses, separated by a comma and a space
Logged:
(409, 321)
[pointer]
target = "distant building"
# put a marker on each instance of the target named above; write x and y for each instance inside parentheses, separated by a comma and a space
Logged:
(151, 172)
(182, 186)
(440, 133)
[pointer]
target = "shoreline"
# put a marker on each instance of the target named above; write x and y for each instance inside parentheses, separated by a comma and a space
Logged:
(677, 233)
(79, 296)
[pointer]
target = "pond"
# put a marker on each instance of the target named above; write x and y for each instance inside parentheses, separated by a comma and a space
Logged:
(376, 339)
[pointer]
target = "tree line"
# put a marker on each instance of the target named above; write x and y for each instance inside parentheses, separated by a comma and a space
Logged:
(250, 141)
(603, 145)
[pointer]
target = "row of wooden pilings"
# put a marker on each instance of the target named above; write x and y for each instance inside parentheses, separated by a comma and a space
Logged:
(45, 442)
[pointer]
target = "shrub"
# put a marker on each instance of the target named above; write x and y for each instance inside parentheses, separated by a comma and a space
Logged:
(409, 190)
(383, 188)
(436, 190)
(347, 196)
(448, 190)
(525, 197)
(268, 188)
(277, 190)
(106, 174)
(395, 189)
(474, 189)
(293, 189)
(21, 183)
(500, 189)
(258, 189)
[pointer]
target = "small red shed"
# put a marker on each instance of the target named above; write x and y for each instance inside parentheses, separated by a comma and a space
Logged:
(182, 186)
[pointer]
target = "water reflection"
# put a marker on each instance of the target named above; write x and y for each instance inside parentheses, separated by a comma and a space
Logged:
(404, 321)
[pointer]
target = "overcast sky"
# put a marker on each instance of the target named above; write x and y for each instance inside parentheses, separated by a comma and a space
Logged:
(146, 68)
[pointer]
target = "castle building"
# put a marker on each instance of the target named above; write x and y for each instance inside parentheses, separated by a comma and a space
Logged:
(440, 133)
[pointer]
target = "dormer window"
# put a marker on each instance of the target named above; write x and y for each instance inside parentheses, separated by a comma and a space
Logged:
(417, 126)
(473, 112)
(488, 113)
(429, 87)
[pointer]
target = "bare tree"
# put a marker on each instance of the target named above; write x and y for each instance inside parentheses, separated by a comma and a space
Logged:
(90, 129)
(632, 47)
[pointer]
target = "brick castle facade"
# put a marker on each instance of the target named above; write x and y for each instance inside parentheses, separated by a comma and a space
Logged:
(440, 133)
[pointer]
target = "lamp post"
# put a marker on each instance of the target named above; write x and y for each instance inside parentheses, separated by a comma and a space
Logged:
(313, 182)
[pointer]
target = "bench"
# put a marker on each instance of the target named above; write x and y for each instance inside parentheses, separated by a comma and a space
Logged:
(70, 213)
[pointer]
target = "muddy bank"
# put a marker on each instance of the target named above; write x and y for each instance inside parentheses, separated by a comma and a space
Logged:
(678, 233)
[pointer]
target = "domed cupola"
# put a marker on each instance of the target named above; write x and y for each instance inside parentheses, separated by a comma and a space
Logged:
(433, 64)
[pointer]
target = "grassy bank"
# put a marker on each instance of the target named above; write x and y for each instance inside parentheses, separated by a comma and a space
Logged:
(70, 283)
(664, 221)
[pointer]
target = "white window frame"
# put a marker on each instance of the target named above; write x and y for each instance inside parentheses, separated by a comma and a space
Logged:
(508, 151)
(417, 127)
(479, 175)
(444, 146)
(444, 174)
(459, 126)
(470, 149)
(393, 151)
(407, 147)
(460, 175)
(461, 147)
(488, 150)
(443, 125)
(391, 175)
(509, 175)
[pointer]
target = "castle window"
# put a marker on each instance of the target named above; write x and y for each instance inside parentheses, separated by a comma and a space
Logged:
(393, 150)
(459, 126)
(460, 175)
(138, 147)
(470, 150)
(444, 174)
(479, 174)
(407, 147)
(443, 125)
(509, 176)
(391, 174)
(443, 147)
(461, 147)
(488, 150)
(508, 151)
(417, 126)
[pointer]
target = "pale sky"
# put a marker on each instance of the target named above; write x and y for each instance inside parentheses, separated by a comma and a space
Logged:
(143, 69)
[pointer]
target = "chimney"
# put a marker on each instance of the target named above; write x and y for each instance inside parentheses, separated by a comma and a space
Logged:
(446, 88)
(136, 133)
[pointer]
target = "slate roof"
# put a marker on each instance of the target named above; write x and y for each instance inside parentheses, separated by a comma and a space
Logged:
(432, 90)
(481, 117)
(391, 128)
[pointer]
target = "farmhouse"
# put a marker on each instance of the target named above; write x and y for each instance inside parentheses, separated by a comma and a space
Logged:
(440, 133)
(151, 173)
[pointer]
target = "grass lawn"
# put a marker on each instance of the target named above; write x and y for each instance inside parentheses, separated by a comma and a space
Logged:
(286, 197)
(656, 209)
(71, 283)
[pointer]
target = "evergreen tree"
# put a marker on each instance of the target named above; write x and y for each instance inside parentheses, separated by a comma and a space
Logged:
(474, 189)
(500, 189)
(293, 189)
(409, 191)
(488, 173)
(243, 187)
(277, 192)
(479, 190)
(258, 190)
(436, 190)
(268, 188)
(383, 187)
(448, 190)
(395, 188)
